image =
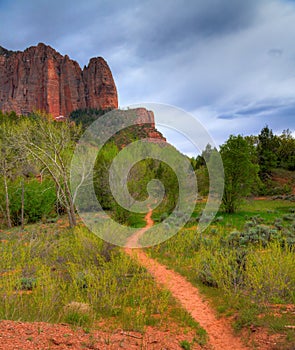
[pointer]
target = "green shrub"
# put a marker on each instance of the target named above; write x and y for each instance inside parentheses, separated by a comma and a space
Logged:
(28, 283)
(288, 217)
(77, 319)
(270, 275)
(184, 344)
(39, 200)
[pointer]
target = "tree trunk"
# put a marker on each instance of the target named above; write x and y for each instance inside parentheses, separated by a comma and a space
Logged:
(23, 205)
(71, 209)
(73, 215)
(8, 217)
(65, 197)
(72, 219)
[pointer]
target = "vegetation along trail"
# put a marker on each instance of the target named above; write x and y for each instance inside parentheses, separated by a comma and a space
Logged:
(219, 331)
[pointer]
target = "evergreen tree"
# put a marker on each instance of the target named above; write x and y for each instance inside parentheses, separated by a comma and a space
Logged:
(267, 152)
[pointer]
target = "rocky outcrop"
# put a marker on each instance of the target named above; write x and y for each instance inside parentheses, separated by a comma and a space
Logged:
(146, 120)
(144, 116)
(142, 123)
(40, 78)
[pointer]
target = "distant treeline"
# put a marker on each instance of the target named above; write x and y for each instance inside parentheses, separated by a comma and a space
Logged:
(270, 151)
(269, 156)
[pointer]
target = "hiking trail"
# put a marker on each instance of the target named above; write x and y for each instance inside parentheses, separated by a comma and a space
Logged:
(220, 334)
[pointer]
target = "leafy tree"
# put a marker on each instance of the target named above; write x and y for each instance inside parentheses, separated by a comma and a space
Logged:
(206, 154)
(38, 202)
(138, 178)
(217, 177)
(52, 144)
(15, 165)
(208, 158)
(253, 142)
(6, 165)
(240, 172)
(10, 159)
(200, 160)
(203, 180)
(101, 175)
(286, 150)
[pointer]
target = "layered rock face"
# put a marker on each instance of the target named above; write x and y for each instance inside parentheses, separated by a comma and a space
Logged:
(143, 116)
(146, 120)
(40, 78)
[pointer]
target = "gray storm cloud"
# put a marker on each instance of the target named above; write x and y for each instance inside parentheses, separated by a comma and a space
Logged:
(222, 60)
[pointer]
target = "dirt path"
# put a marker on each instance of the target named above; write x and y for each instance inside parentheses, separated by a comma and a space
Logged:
(132, 242)
(219, 331)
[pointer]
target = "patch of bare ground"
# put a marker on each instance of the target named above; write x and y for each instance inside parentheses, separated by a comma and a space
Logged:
(41, 336)
(259, 338)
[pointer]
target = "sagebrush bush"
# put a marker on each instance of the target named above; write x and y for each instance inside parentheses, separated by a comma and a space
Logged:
(270, 274)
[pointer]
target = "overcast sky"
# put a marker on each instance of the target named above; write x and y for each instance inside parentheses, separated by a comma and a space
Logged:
(231, 63)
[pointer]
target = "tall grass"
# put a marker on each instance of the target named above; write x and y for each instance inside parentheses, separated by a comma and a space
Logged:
(73, 276)
(270, 274)
(245, 262)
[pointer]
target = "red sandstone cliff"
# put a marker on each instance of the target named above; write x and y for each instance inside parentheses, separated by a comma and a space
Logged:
(40, 78)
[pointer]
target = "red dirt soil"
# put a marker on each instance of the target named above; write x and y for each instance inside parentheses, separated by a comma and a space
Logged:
(41, 336)
(284, 181)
